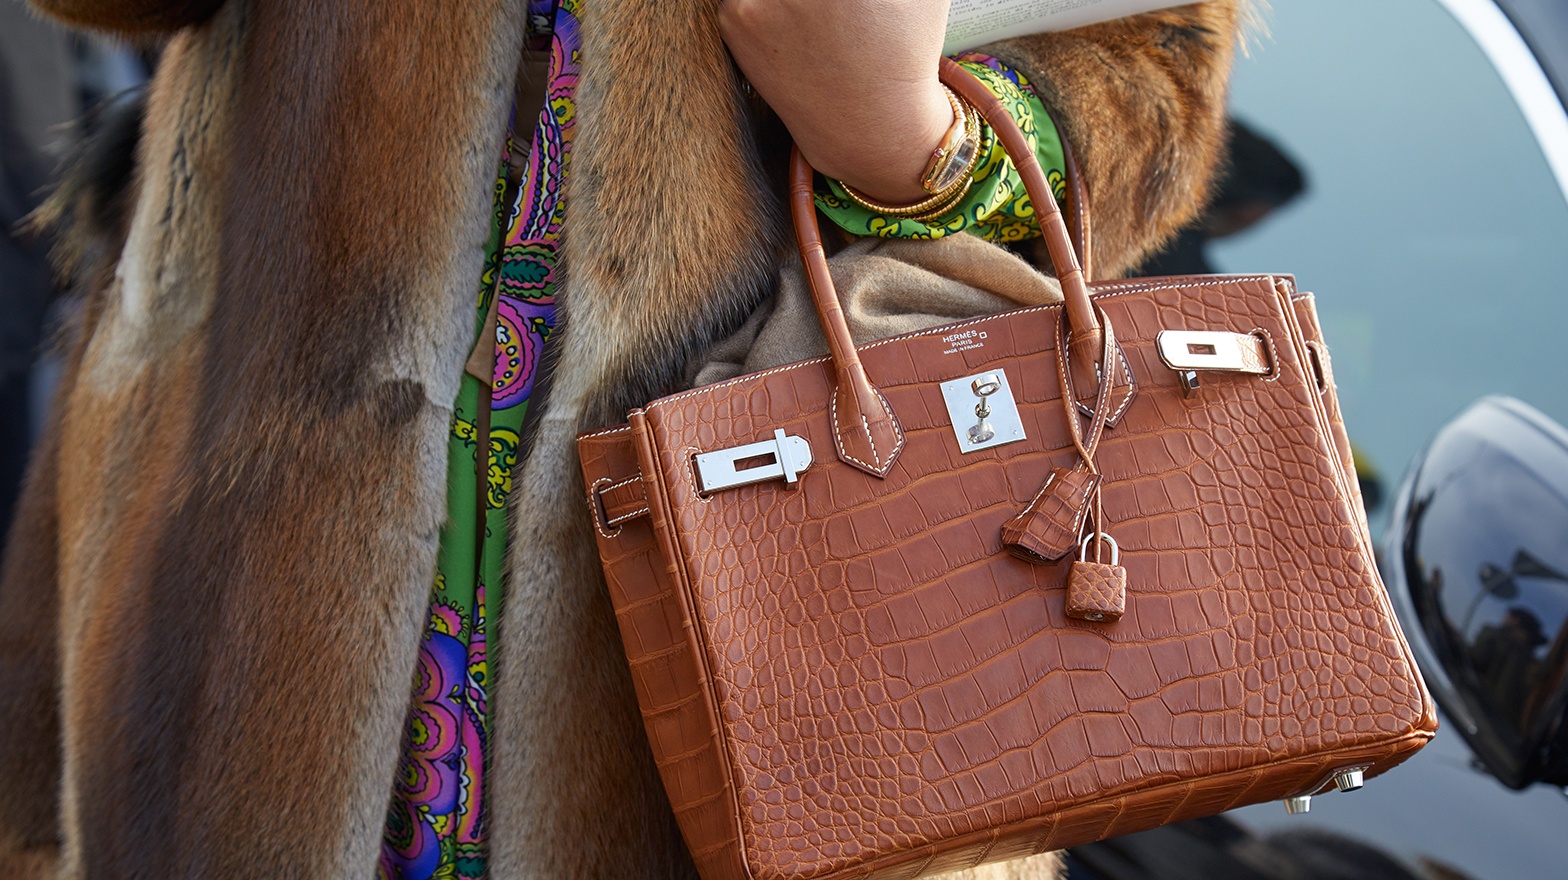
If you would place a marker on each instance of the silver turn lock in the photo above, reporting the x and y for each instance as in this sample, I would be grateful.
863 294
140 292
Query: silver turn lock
983 387
992 421
1299 804
1350 780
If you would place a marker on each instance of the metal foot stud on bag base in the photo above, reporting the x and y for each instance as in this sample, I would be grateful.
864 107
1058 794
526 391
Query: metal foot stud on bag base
1349 779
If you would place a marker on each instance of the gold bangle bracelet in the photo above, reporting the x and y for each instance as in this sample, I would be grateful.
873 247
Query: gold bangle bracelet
927 209
940 202
939 210
920 207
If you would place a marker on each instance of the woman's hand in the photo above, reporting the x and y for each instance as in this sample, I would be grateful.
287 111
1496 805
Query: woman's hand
855 81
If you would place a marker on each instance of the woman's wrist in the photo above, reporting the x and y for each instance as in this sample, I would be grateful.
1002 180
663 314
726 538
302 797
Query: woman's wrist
993 204
854 81
882 146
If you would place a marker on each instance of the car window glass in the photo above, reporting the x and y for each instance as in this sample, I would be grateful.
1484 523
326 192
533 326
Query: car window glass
1436 241
1431 228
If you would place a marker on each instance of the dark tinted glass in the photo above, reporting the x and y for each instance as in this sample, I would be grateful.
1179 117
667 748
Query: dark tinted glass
1479 538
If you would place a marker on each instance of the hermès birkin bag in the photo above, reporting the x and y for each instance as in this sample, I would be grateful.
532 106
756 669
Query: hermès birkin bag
1004 586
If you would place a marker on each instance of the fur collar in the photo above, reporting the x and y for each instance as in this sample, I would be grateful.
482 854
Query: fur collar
234 522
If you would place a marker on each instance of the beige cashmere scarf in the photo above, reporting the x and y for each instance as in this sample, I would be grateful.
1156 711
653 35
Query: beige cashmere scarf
887 287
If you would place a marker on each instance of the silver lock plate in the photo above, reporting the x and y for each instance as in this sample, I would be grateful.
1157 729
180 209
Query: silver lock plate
782 458
982 421
1190 350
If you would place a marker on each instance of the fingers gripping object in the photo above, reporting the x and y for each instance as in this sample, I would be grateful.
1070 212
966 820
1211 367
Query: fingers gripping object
879 580
867 433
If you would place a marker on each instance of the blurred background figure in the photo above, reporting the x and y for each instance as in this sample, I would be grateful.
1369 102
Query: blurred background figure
1476 562
1257 179
48 77
38 98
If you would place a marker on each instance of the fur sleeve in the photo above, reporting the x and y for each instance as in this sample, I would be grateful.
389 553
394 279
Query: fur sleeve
130 16
29 666
1142 102
86 213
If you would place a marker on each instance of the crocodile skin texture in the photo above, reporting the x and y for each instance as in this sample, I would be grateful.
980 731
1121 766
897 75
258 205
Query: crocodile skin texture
1050 526
1096 591
851 677
1322 373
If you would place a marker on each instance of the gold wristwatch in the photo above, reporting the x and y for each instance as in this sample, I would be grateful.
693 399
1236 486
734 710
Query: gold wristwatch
956 155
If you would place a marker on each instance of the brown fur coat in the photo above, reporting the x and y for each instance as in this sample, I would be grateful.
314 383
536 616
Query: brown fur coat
213 596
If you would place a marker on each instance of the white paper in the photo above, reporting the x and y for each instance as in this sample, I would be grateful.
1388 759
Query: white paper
972 23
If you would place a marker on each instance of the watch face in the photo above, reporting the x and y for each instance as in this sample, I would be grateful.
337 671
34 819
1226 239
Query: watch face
955 158
953 168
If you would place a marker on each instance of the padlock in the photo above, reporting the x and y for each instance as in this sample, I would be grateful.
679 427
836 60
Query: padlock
1097 591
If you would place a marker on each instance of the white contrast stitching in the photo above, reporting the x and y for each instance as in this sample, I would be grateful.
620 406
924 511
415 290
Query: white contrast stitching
689 453
627 516
1115 288
1132 384
1132 388
898 429
1276 369
866 426
838 441
615 430
594 509
1083 510
626 482
1102 292
1041 494
1319 354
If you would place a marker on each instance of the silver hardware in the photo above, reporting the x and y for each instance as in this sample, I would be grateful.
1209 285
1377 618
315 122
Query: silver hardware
983 387
986 385
1189 382
1208 350
993 421
1116 552
1299 804
791 455
983 430
1351 779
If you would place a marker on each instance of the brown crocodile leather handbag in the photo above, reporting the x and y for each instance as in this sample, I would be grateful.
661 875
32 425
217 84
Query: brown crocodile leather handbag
1004 586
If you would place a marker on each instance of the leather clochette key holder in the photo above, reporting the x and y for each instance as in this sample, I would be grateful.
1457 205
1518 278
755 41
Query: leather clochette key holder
873 610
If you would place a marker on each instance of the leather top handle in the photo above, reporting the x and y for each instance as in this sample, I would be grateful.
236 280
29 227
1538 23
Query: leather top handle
1075 289
866 432
1077 211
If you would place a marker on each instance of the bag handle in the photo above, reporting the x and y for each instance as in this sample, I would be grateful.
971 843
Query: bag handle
1077 211
866 432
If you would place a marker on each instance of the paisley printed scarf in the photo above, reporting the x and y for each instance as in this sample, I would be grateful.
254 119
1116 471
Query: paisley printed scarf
436 824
